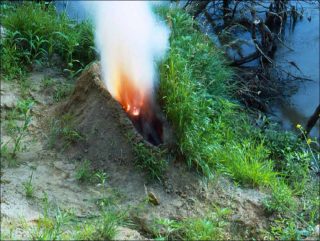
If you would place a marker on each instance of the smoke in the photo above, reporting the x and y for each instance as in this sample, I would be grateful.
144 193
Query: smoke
130 41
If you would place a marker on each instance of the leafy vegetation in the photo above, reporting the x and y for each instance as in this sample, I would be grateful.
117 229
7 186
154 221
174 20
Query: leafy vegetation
57 224
213 132
64 128
28 187
150 160
84 172
34 32
208 227
17 130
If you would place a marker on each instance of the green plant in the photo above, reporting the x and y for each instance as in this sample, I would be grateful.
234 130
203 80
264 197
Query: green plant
50 228
169 228
151 160
35 31
4 151
195 93
62 90
84 172
63 128
28 187
101 177
287 229
281 199
210 227
103 228
315 160
16 130
24 107
47 82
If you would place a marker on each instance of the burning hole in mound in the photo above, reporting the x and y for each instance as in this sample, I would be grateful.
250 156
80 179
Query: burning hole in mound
149 125
141 110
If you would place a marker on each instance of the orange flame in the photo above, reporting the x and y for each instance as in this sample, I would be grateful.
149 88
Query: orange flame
131 97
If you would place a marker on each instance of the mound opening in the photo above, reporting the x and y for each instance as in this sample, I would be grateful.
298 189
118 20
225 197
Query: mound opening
149 125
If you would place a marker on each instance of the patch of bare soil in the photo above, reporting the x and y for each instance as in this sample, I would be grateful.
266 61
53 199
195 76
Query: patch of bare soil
104 129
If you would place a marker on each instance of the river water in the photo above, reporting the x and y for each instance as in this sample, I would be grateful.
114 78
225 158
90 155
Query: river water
304 40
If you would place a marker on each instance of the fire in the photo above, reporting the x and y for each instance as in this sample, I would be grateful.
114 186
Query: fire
131 40
132 98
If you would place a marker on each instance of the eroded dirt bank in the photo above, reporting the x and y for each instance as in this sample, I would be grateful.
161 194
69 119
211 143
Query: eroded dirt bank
103 135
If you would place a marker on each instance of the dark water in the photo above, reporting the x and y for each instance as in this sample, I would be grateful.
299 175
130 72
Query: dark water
75 9
304 41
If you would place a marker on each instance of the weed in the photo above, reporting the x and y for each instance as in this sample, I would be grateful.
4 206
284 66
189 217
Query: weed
24 107
103 228
211 131
17 130
47 82
287 229
101 177
84 172
64 128
169 228
50 228
315 160
86 231
281 199
151 160
208 227
62 90
28 187
4 151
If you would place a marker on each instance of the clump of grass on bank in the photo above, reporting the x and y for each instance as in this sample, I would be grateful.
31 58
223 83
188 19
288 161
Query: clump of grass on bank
211 130
58 224
34 32
207 227
214 133
16 130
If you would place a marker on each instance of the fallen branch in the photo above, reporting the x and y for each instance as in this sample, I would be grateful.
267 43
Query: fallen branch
313 120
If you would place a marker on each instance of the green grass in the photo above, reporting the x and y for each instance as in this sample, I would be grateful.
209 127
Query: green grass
206 227
33 34
28 187
215 134
84 171
61 91
63 128
58 224
151 160
16 126
212 132
102 228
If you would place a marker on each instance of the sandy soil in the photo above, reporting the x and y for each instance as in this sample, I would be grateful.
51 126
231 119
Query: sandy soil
104 126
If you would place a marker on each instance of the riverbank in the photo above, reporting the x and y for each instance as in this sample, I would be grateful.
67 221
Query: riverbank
226 167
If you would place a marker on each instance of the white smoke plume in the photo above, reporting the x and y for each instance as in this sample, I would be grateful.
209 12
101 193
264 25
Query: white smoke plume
129 39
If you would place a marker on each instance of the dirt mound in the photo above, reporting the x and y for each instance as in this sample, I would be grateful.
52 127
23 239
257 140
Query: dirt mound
101 120
108 141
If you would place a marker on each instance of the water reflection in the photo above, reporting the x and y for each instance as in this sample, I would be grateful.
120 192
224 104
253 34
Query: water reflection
304 40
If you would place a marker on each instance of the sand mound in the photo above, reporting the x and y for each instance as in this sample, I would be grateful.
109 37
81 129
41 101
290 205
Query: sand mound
108 134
